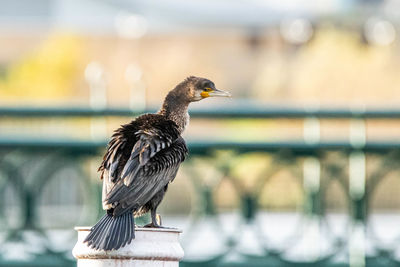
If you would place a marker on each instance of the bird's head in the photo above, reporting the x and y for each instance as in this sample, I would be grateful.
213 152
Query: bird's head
196 89
190 90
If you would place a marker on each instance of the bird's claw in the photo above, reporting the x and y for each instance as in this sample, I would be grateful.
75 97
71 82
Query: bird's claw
152 225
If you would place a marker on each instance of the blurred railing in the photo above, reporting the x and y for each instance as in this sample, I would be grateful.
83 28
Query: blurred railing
252 234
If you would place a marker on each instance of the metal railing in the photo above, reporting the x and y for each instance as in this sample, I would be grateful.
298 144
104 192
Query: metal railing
239 236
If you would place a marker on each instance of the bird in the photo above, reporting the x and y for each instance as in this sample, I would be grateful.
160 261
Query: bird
142 159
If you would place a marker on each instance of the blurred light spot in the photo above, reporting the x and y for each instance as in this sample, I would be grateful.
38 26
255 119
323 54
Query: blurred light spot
94 75
93 72
379 32
130 26
297 31
133 73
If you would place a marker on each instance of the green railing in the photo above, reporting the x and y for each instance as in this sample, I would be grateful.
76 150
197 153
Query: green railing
49 185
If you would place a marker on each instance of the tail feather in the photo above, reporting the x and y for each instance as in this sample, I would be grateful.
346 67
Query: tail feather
112 232
96 235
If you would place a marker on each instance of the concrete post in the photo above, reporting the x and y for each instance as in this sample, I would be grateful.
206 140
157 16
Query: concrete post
150 248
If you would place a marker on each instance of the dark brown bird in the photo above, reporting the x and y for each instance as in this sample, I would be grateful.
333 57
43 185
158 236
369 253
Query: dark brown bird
142 158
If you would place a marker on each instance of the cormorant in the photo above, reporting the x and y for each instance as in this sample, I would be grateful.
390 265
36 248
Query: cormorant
142 158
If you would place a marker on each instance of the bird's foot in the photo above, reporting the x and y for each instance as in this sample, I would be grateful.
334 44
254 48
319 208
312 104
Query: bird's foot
156 225
156 222
152 225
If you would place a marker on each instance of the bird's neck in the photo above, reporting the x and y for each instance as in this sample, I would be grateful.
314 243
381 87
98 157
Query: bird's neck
176 109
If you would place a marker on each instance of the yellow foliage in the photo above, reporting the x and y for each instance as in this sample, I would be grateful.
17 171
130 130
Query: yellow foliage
47 73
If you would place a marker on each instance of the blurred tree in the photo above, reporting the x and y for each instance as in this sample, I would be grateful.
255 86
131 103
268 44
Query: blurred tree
48 73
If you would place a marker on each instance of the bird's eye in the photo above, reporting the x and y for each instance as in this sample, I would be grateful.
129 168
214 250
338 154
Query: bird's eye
208 89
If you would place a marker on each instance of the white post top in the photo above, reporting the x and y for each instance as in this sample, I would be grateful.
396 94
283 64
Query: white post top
151 247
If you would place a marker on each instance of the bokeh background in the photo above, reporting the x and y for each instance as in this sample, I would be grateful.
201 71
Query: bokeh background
299 168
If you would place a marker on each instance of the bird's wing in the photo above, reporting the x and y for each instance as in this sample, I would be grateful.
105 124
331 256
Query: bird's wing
131 147
112 158
112 162
149 142
146 173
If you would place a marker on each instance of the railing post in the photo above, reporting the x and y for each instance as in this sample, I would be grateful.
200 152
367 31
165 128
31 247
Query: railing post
312 190
357 191
151 247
